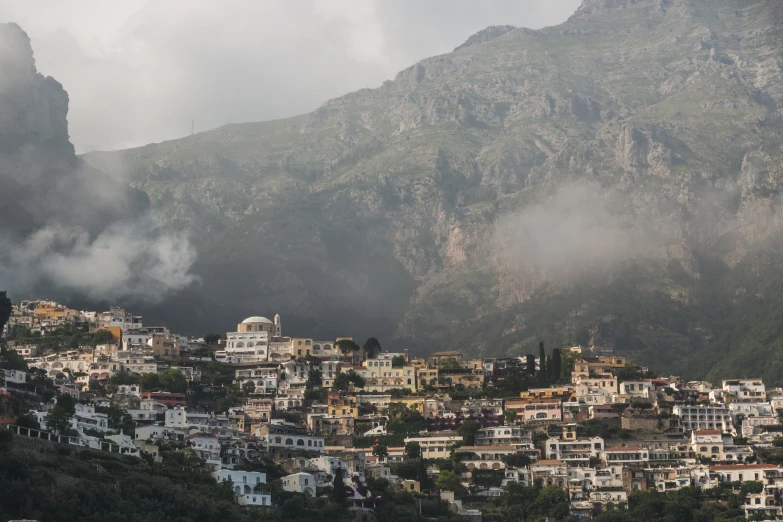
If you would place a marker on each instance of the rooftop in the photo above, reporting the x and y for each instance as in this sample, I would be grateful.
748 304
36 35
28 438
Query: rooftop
257 319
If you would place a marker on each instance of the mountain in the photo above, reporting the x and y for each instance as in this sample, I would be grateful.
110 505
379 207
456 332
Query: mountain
613 180
68 230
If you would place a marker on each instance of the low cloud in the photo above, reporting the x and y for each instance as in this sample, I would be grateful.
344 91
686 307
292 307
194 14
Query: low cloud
572 233
126 260
65 227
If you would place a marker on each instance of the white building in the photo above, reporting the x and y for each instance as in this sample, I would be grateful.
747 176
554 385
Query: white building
750 390
712 417
744 410
249 486
300 483
503 436
434 447
636 389
251 341
15 376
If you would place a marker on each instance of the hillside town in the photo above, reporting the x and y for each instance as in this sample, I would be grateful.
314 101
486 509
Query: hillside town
275 415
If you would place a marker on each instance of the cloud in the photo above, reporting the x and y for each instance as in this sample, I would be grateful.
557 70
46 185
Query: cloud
140 71
66 227
571 234
126 260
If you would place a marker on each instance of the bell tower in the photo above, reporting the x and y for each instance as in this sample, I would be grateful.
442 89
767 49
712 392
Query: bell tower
278 326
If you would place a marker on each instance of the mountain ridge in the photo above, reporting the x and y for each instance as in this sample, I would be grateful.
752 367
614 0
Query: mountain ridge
413 211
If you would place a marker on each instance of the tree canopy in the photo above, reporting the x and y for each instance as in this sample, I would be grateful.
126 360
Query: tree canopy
372 347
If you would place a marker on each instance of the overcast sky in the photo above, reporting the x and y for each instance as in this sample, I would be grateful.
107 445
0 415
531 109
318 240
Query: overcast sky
139 71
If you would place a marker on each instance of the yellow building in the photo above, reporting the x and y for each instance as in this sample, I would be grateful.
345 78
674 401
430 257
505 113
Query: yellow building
461 377
427 377
559 393
344 409
413 403
54 313
380 375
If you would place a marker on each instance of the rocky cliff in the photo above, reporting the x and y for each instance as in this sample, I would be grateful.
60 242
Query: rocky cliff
68 230
613 180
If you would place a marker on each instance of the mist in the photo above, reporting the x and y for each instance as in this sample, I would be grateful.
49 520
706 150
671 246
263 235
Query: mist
65 227
572 233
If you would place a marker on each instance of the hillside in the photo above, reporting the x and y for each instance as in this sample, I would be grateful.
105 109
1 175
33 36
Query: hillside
612 180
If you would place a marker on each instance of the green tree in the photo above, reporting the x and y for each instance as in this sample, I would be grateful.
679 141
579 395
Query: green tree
449 363
5 309
173 381
345 379
58 419
421 474
371 348
103 337
557 365
510 416
398 361
468 431
150 382
67 403
249 387
530 363
516 460
413 450
448 481
314 378
542 372
347 346
380 451
10 360
338 491
212 338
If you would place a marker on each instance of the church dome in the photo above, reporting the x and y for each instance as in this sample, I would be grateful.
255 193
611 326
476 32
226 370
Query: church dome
257 319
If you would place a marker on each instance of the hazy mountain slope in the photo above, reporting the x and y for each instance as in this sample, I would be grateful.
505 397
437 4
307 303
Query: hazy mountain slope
606 179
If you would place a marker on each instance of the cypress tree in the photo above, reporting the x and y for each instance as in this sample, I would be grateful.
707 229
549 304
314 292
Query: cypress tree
338 492
531 364
557 365
542 372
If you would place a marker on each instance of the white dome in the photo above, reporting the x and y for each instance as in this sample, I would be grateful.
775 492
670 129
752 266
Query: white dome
257 319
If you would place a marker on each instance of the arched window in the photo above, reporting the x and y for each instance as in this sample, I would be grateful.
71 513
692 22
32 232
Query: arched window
327 347
307 343
300 442
409 381
240 345
715 449
703 449
309 443
250 344
289 442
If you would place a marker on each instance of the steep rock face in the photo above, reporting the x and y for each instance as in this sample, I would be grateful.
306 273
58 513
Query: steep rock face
424 209
47 195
